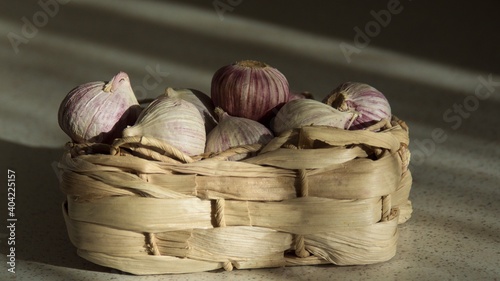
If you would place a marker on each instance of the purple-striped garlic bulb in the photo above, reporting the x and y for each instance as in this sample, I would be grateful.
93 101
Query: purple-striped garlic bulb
249 89
235 131
174 121
99 111
307 112
367 103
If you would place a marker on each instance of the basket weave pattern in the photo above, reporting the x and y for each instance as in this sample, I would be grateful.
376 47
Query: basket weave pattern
315 195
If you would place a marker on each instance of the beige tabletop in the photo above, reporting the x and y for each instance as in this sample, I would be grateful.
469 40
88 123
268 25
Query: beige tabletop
437 64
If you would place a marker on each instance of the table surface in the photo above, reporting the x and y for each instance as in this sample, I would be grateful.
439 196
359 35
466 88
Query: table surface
441 77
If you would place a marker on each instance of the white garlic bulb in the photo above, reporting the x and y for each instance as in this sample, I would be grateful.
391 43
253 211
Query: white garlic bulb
173 120
235 131
306 112
199 99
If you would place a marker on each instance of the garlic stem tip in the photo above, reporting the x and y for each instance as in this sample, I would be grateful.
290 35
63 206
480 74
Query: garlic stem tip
252 64
170 92
219 112
108 86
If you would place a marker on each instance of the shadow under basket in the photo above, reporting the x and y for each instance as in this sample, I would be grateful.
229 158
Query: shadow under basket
315 195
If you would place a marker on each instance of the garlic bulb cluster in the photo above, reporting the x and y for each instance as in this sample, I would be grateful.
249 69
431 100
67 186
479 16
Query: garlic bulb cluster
249 89
235 131
367 103
306 112
250 103
173 120
99 111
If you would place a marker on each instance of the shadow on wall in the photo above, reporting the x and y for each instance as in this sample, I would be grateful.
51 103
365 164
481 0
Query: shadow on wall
199 50
460 35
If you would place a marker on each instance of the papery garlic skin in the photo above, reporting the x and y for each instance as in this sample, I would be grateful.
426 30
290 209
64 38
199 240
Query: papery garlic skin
199 99
236 131
302 95
249 89
368 103
99 111
306 112
174 121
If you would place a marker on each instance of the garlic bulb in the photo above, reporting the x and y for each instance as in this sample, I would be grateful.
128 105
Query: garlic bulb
235 131
368 104
249 89
305 112
202 102
99 111
173 120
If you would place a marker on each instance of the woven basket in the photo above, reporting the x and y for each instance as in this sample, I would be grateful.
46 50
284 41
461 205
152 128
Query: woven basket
315 195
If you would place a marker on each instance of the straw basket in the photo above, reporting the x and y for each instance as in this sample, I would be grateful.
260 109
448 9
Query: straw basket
315 195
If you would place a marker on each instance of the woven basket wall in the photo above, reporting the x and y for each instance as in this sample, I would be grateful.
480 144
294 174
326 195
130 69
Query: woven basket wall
315 195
